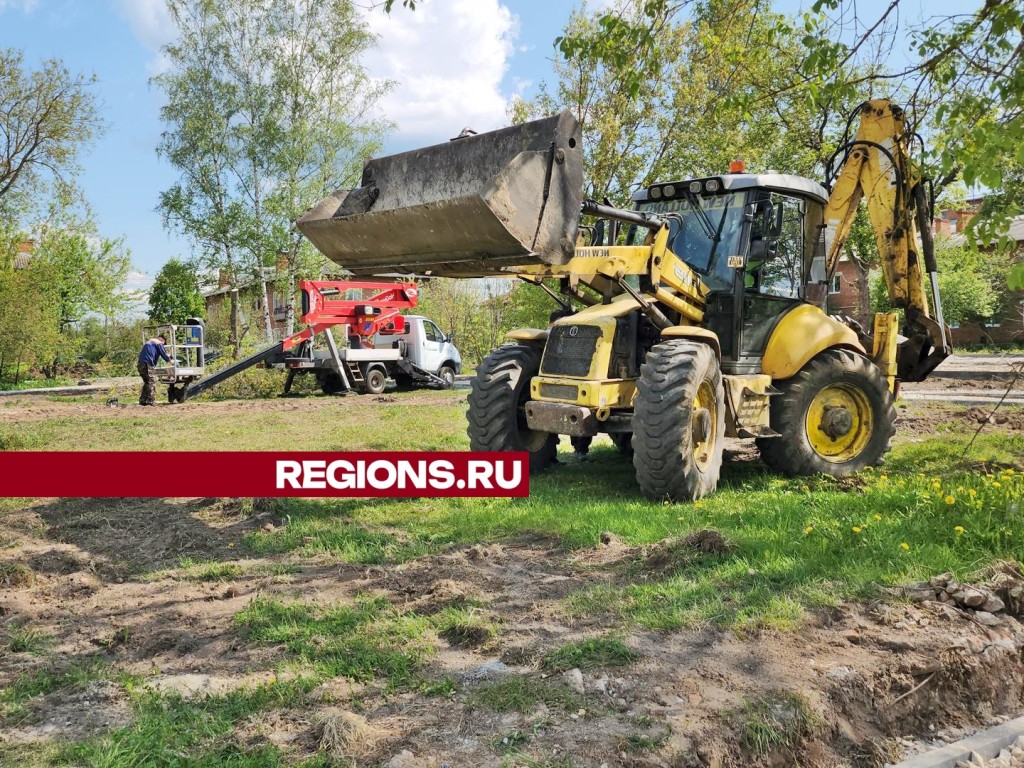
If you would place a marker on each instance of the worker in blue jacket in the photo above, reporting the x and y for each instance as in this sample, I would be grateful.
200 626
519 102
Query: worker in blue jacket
151 350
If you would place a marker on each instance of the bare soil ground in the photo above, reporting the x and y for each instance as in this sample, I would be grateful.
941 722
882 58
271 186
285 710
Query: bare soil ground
103 579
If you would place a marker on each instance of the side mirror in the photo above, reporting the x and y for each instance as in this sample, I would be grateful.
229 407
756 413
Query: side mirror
761 251
448 338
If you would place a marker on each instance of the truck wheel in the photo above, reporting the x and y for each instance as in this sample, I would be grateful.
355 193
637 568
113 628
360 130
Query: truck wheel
376 381
447 374
835 416
498 393
331 384
679 422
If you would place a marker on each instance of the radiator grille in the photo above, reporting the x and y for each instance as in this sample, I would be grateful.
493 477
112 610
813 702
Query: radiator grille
570 350
559 391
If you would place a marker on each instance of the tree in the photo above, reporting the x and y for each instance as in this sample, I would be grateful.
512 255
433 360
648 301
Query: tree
175 295
47 117
268 110
679 104
28 321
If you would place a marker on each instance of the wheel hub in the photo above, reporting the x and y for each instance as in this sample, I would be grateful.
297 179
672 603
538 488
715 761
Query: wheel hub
701 425
836 421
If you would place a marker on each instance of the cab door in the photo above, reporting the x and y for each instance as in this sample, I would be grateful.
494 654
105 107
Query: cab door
781 247
432 347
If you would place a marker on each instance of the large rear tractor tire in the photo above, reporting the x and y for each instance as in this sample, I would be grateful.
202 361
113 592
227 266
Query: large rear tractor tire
498 393
679 422
835 417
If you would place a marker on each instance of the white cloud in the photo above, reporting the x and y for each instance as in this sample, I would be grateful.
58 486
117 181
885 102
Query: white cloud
152 25
449 58
25 6
138 281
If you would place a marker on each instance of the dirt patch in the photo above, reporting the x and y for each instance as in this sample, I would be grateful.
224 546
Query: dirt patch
670 555
105 584
73 715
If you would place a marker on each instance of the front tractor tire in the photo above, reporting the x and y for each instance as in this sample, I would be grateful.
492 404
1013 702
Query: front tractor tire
835 417
679 422
497 416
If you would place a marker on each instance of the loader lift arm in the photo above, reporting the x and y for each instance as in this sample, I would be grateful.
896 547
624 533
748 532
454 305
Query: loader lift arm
876 166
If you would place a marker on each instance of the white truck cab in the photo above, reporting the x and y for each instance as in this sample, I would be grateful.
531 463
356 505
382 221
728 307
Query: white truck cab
425 346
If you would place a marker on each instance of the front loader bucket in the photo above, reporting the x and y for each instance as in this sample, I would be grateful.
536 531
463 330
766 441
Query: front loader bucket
470 207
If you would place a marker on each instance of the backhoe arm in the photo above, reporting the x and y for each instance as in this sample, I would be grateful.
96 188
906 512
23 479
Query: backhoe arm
877 166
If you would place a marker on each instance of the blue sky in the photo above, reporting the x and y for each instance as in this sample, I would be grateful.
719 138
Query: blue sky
458 63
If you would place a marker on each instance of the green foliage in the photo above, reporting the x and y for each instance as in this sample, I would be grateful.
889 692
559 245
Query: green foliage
268 108
590 654
175 295
662 96
478 313
1015 277
49 116
29 325
969 283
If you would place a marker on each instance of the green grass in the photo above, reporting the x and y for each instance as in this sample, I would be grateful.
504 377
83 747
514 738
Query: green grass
521 693
171 731
60 381
48 679
316 423
776 722
26 640
362 642
465 626
593 653
778 568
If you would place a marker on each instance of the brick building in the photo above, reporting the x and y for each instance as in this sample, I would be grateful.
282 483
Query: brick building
849 292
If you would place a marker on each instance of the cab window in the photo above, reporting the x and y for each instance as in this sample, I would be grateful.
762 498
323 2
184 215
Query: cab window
432 332
776 263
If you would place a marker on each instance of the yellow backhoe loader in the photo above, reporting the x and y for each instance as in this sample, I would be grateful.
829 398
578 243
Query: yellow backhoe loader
696 315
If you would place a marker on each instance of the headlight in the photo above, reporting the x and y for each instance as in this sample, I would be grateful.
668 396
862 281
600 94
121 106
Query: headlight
695 187
655 193
712 185
670 190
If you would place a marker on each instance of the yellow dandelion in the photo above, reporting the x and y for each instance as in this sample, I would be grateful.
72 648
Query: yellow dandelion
231 544
698 503
996 484
950 499
926 495
856 529
808 529
958 528
1009 533
904 546
971 492
1010 471
878 517
902 482
936 485
959 489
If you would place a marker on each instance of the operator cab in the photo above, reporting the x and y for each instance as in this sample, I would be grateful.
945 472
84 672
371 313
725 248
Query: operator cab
757 241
